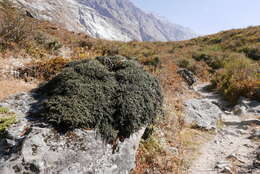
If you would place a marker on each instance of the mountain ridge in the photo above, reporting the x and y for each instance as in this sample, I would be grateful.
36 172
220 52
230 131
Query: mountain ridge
106 19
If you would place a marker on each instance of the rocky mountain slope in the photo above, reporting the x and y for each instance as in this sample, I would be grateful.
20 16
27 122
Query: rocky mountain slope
107 19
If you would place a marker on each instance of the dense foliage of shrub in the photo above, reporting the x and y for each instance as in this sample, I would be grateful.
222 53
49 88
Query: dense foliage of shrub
189 64
54 45
87 44
113 94
252 52
238 78
3 46
156 62
48 41
214 61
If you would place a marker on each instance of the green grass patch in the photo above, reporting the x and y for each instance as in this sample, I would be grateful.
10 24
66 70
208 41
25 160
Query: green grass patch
7 118
4 110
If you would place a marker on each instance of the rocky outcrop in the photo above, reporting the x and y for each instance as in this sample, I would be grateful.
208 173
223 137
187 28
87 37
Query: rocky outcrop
188 76
234 146
210 107
202 113
246 106
108 19
32 146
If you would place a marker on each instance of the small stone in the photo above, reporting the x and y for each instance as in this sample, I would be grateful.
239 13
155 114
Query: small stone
11 143
222 164
258 155
227 170
256 164
227 112
239 110
216 142
243 127
248 146
234 157
255 134
224 167
173 150
242 132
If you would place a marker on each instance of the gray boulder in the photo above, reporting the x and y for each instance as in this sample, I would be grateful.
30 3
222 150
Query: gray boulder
245 106
202 113
255 134
188 76
31 146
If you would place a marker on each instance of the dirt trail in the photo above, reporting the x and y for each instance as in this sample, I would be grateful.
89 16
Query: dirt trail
231 150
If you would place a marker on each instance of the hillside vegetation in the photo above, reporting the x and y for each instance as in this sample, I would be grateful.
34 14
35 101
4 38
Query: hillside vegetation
230 58
112 94
35 51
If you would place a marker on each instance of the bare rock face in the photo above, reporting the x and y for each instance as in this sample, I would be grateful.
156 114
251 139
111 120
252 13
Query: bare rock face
202 113
31 146
108 19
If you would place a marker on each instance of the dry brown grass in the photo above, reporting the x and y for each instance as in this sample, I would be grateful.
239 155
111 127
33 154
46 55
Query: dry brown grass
155 154
13 86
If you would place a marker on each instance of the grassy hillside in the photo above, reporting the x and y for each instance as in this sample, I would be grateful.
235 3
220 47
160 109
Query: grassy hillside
230 59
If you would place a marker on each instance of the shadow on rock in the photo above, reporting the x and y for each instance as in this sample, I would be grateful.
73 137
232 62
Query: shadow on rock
33 146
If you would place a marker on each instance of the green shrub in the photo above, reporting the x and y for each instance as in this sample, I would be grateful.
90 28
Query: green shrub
189 64
113 94
238 78
183 63
41 38
44 38
3 46
54 45
252 52
106 48
156 62
48 41
215 47
6 119
212 60
4 110
215 40
6 122
84 43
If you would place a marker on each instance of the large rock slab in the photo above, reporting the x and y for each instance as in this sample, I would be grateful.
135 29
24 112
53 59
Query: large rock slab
31 146
202 113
